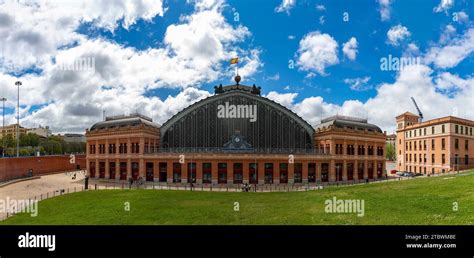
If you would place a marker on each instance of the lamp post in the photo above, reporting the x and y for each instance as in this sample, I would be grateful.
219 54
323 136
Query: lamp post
18 84
3 127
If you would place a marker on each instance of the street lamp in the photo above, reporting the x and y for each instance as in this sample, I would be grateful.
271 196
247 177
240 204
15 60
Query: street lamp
18 83
3 127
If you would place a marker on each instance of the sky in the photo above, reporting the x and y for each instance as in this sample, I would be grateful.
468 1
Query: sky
77 59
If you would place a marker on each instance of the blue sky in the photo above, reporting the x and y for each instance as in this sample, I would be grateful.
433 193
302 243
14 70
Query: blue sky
150 58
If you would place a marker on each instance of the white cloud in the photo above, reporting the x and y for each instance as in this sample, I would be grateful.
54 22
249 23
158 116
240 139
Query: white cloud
37 29
358 84
320 7
252 64
285 99
462 17
350 48
275 77
316 52
393 99
384 8
397 34
453 52
291 37
443 6
191 54
285 6
413 48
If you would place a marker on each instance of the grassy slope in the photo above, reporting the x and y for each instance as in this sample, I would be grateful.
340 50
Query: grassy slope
421 201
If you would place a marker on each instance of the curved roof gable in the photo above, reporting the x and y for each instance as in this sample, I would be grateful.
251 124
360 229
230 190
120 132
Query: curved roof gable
237 91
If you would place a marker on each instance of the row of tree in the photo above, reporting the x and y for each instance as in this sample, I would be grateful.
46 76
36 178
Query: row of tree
391 153
31 143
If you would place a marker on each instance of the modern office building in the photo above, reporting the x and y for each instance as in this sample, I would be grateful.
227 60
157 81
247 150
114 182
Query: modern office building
232 137
434 146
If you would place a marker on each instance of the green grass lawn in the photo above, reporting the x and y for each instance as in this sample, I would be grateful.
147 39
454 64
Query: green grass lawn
423 201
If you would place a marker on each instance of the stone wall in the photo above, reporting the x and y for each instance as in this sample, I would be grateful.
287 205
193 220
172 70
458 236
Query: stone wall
11 168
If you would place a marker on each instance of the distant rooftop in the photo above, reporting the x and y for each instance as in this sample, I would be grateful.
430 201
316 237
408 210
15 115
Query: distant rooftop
346 118
355 123
125 120
110 118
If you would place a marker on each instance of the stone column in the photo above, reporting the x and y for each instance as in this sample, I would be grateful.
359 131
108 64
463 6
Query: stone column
245 171
366 169
261 172
141 148
117 169
318 172
332 170
356 170
184 171
141 168
169 171
156 171
230 173
107 168
276 172
214 171
305 172
375 169
291 173
344 170
97 170
384 168
88 166
129 168
117 145
129 147
366 150
199 172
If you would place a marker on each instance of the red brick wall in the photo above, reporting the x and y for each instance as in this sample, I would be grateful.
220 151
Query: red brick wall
18 167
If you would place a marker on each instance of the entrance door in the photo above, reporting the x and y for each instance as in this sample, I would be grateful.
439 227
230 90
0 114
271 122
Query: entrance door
206 173
135 170
253 177
149 171
311 172
163 171
350 171
360 171
268 173
192 172
238 173
112 170
222 173
338 171
101 169
283 173
123 170
176 172
379 170
324 172
92 169
370 168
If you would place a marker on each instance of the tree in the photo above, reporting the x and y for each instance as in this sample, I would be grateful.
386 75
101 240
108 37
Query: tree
391 153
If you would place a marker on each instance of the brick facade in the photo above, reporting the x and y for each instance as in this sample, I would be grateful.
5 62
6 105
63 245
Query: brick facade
18 167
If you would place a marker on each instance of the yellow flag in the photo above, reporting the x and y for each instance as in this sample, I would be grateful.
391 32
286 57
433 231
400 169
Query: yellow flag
234 60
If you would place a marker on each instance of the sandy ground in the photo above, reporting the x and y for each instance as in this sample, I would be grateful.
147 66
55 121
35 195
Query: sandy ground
31 188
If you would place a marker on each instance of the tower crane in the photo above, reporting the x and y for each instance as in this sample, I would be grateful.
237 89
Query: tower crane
418 109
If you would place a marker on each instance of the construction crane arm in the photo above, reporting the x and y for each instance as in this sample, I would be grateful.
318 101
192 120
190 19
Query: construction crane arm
417 108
